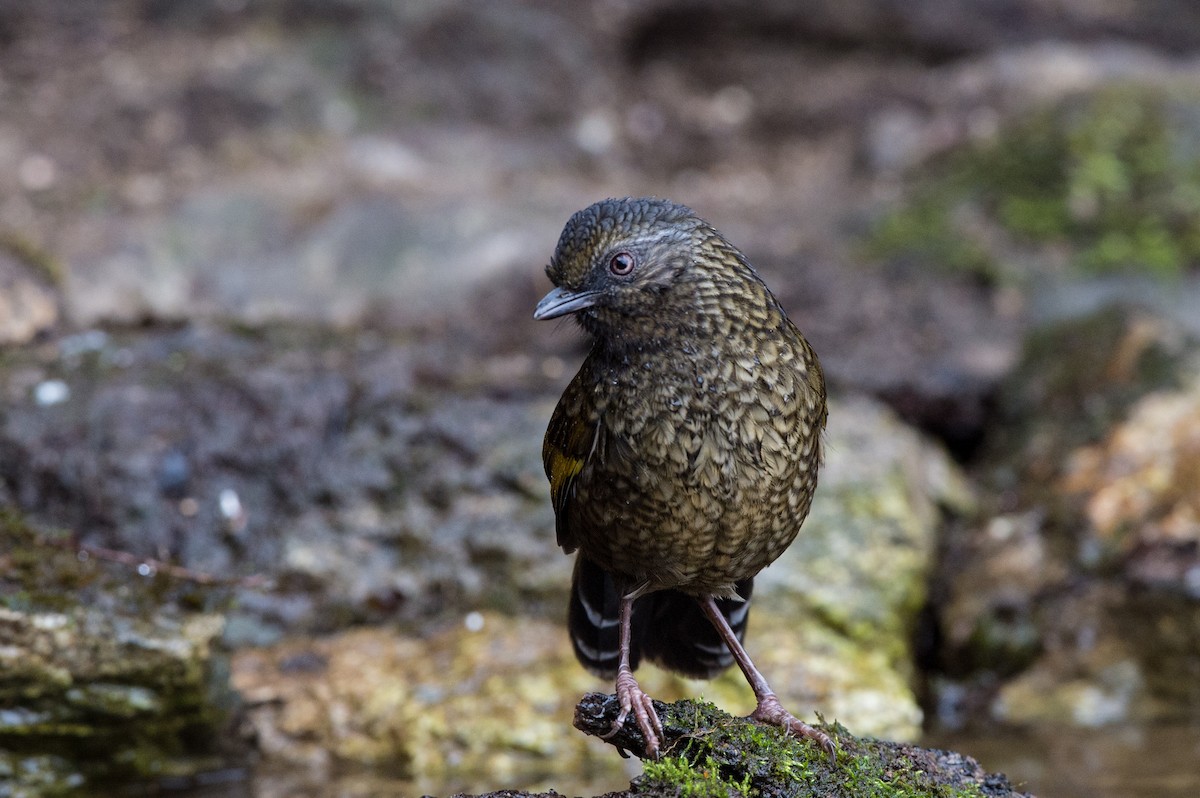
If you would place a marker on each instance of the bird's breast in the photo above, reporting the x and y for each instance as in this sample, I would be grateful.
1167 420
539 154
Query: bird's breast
706 467
695 409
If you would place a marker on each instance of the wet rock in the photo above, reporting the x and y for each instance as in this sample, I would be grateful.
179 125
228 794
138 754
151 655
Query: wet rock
112 671
1088 673
1082 591
312 459
1077 378
1134 649
989 621
1140 486
482 702
99 684
705 751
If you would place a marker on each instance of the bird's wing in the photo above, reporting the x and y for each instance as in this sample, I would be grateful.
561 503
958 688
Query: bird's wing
570 440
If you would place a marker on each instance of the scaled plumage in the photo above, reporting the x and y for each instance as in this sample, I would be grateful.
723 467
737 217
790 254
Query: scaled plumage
683 456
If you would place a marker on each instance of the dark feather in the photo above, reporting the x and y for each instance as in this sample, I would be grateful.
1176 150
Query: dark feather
592 620
680 638
668 627
565 449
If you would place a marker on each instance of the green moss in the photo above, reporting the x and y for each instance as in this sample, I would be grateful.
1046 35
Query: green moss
37 573
718 755
1113 175
925 231
45 570
693 780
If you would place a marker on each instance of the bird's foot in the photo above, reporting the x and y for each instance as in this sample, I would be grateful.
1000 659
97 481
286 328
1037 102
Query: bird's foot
769 710
632 699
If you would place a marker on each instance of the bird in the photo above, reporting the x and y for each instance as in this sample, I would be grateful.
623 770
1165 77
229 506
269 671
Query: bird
683 456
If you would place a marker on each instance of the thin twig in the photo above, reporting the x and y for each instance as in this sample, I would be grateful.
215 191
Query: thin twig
155 566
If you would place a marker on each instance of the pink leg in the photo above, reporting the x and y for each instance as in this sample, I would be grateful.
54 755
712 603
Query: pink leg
630 694
769 710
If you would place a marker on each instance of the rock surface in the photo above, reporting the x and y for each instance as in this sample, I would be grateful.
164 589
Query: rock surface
707 752
98 683
1084 585
28 301
832 627
317 460
373 493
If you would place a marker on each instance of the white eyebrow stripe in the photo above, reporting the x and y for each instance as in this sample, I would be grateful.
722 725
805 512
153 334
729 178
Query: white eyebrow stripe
652 238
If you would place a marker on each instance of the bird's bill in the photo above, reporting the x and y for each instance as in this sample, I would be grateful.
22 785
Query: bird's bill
560 302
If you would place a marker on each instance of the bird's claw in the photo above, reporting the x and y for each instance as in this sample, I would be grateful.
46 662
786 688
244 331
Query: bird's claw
634 700
769 710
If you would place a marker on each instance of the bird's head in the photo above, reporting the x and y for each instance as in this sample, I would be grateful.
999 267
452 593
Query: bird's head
623 263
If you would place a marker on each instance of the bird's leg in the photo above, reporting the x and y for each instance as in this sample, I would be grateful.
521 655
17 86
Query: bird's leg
629 693
769 710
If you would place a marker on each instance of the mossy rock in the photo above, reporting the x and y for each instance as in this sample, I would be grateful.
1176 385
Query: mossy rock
100 683
1111 177
1076 381
710 754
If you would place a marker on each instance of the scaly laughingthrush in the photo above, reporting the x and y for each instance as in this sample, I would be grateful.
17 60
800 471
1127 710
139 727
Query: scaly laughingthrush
683 456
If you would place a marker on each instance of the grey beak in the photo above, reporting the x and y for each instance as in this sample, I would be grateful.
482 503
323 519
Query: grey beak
560 302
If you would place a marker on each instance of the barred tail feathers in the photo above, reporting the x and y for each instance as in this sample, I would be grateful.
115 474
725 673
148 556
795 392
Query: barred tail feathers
668 628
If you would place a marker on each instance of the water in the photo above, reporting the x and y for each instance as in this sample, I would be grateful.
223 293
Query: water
1120 762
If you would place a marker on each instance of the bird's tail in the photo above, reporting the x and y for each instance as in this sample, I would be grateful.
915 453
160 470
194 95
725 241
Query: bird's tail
669 628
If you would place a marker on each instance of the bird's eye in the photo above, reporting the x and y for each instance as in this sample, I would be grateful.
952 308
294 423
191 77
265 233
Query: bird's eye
621 264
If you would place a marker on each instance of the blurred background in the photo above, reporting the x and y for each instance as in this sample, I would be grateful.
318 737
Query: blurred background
272 513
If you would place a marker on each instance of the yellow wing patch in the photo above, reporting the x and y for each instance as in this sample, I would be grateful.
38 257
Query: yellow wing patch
568 445
561 468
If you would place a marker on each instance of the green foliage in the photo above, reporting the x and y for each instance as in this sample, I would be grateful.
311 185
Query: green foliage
1114 176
